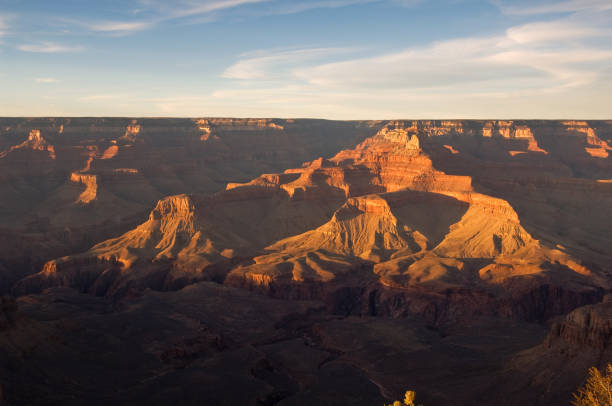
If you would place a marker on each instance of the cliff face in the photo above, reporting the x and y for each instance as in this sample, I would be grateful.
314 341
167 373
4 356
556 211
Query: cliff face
420 250
588 326
554 368
381 216
68 183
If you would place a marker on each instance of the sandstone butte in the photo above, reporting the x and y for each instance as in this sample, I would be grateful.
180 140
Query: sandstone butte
382 216
68 183
446 221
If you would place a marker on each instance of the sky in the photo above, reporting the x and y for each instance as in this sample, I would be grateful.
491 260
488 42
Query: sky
336 59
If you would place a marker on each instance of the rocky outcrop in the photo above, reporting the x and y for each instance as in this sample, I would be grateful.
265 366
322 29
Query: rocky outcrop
587 326
35 142
557 366
77 176
91 186
379 221
439 245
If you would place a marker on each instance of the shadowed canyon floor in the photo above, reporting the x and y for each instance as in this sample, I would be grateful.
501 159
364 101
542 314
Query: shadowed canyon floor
68 183
469 260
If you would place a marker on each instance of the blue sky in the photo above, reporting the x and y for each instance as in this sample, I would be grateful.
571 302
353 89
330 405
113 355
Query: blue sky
341 59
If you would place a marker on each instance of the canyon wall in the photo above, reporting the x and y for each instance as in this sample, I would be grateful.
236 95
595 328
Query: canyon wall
421 213
68 183
303 261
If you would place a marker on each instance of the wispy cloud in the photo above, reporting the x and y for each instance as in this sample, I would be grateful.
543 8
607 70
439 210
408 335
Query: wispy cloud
520 59
49 48
407 3
102 97
533 61
187 8
199 11
274 64
46 80
294 7
550 7
556 31
542 55
160 11
4 25
122 27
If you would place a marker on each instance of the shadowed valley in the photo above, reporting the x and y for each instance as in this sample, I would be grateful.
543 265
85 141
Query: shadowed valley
303 261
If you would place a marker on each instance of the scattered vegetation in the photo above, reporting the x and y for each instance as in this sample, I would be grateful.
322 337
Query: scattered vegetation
409 397
597 391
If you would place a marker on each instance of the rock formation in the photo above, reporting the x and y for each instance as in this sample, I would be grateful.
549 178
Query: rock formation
74 182
380 216
422 251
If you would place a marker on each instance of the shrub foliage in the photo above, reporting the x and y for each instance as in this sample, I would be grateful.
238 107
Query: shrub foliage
597 391
409 397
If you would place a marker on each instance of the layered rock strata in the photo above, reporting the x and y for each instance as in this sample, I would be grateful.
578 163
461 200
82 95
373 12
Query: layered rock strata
380 220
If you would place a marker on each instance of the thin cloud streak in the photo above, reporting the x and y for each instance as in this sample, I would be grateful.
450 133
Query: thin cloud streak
534 61
554 7
47 80
295 8
258 65
4 26
121 26
556 31
189 9
49 48
540 55
164 12
194 8
102 97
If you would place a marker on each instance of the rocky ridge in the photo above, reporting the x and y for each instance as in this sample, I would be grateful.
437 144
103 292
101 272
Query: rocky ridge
74 182
380 218
433 251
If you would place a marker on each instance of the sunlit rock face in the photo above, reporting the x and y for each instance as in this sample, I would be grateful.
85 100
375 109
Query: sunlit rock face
68 183
304 261
401 216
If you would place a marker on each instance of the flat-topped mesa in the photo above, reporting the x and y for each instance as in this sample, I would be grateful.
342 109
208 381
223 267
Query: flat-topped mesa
364 227
382 204
205 129
405 137
436 128
172 207
441 128
34 142
595 146
369 204
318 179
209 127
74 271
169 235
170 227
266 180
511 130
580 127
91 186
238 124
396 137
389 161
131 131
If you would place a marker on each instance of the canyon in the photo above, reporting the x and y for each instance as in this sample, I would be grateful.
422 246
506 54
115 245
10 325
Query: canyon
294 262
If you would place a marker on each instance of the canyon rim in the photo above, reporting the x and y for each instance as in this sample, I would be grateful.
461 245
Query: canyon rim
306 203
